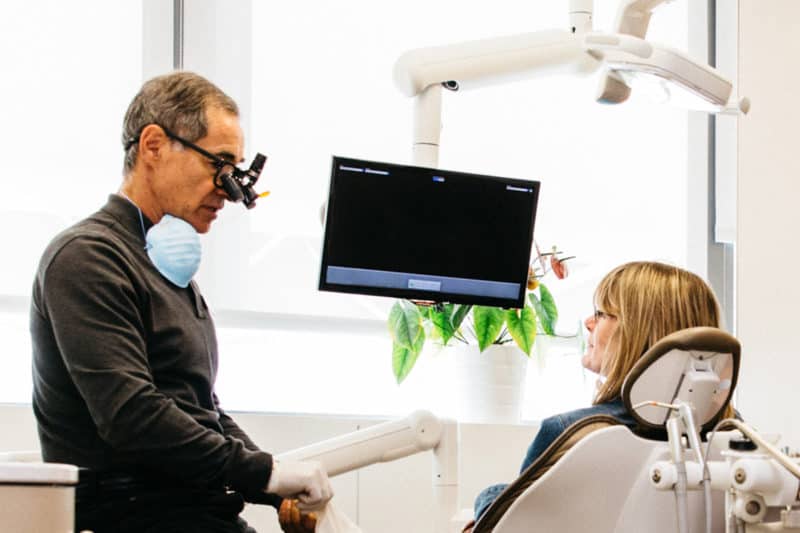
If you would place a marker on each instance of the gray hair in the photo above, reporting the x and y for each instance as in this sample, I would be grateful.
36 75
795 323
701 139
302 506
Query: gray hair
176 101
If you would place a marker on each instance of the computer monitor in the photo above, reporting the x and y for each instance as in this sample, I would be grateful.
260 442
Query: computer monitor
427 234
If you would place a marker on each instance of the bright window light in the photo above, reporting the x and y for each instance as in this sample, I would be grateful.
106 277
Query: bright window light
614 183
614 178
67 80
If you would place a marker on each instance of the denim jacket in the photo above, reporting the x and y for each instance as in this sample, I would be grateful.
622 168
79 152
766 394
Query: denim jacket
549 431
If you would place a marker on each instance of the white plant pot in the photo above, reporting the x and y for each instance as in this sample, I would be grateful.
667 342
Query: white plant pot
481 387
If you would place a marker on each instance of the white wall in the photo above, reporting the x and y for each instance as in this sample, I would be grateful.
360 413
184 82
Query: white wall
387 498
768 191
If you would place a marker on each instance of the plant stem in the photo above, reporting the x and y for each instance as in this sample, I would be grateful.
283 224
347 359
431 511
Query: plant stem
503 337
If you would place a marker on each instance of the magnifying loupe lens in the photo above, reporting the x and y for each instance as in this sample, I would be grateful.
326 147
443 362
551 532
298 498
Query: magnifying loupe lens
231 187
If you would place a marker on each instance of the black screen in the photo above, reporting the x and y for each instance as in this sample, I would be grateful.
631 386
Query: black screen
427 234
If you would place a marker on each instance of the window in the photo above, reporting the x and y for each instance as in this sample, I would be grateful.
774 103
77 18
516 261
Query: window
66 87
614 179
614 182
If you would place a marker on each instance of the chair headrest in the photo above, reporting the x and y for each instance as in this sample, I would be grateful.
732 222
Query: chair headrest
697 365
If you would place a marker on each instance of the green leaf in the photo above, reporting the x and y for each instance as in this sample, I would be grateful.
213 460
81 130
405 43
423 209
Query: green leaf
461 313
546 310
540 312
521 325
549 305
448 321
405 324
424 311
443 322
403 358
488 324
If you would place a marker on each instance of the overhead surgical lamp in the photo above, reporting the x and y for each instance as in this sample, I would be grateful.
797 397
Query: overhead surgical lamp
629 60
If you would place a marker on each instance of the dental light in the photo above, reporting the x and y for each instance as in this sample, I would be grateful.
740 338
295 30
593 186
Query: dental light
630 63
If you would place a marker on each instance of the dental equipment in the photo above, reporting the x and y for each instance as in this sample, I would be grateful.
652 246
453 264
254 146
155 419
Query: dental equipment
756 477
708 369
682 422
418 432
626 56
600 460
758 480
625 503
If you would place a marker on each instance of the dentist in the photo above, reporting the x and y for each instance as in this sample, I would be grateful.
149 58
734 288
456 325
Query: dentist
124 348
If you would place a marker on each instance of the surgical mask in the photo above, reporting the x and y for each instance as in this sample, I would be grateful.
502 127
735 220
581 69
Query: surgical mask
173 246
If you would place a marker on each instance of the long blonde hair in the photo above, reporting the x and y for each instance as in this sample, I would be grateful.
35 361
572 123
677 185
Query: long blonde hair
649 300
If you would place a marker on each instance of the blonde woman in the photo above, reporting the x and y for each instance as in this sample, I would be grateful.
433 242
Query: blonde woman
636 304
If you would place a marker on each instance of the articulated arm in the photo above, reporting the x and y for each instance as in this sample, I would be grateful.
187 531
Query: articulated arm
627 57
418 432
423 72
633 16
492 61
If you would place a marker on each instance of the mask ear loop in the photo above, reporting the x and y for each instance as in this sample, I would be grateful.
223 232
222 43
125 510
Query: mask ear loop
144 233
141 219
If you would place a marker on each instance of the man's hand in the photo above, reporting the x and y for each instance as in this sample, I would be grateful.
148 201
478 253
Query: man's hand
292 520
304 480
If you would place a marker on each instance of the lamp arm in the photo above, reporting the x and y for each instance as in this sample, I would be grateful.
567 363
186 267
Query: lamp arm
633 16
418 432
492 61
423 72
502 59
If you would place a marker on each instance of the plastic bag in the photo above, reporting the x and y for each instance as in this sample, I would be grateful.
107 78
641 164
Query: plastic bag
332 520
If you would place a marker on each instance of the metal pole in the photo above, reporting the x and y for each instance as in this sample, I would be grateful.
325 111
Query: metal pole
177 34
427 126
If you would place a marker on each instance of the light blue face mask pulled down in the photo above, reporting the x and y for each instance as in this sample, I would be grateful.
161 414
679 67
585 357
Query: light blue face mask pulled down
173 246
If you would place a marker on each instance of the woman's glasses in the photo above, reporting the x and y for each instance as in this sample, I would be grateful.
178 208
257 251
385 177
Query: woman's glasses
598 314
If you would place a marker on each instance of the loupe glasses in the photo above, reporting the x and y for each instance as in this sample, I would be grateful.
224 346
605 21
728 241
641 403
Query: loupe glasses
236 182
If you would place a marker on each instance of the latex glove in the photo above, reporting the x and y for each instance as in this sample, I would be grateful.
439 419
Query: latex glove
304 480
292 520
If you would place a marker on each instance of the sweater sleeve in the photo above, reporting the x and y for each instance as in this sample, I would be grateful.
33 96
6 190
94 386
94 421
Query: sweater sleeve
89 297
230 427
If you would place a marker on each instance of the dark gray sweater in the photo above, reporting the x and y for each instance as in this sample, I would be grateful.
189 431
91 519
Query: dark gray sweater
124 363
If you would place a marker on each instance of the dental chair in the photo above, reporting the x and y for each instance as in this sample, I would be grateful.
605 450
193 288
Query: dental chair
597 475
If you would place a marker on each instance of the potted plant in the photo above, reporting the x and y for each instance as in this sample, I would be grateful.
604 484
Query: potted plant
412 324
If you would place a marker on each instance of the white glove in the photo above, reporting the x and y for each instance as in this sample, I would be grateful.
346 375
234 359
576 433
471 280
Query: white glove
304 480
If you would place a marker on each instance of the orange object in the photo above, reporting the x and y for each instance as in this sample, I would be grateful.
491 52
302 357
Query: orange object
293 520
559 267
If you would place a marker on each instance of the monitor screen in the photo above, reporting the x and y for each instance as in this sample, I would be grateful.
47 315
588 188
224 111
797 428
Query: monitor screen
427 234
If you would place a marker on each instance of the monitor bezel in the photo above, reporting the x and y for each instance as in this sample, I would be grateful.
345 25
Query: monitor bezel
417 294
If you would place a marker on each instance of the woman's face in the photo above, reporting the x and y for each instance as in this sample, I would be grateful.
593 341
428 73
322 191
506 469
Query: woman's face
601 326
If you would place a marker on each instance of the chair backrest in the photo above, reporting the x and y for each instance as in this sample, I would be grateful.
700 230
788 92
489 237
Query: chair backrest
595 476
601 485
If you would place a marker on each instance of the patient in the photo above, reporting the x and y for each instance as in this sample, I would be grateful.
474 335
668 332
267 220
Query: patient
636 304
